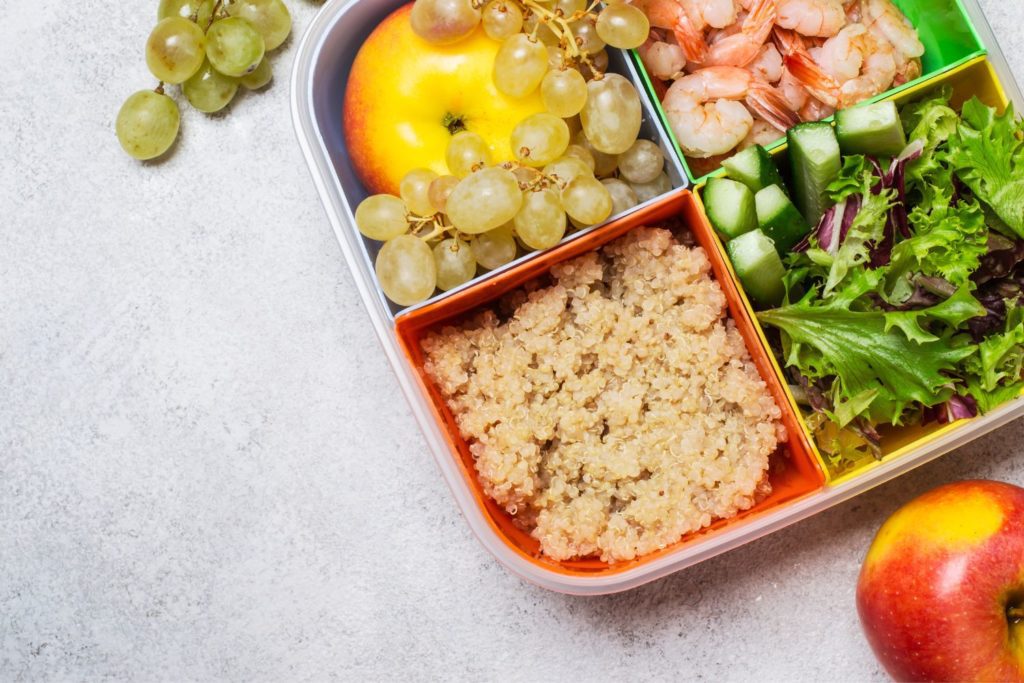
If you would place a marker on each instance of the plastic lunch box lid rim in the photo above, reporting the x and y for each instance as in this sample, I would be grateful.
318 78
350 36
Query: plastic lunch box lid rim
309 137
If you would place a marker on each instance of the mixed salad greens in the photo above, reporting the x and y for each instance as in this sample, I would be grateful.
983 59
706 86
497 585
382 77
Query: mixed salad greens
905 304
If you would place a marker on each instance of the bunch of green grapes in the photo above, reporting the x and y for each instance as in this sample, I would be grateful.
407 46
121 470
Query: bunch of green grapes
444 229
209 48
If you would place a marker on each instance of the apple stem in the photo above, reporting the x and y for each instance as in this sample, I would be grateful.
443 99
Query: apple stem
1015 613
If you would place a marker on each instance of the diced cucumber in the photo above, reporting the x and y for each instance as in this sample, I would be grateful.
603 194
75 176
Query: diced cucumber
759 267
754 168
814 157
873 129
730 207
779 219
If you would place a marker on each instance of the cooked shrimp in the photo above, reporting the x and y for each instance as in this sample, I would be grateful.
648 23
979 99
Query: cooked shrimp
768 64
907 72
663 60
740 49
821 18
793 92
849 68
888 23
761 133
713 13
706 116
670 14
815 110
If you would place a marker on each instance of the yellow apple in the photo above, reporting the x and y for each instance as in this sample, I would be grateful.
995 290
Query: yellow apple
406 97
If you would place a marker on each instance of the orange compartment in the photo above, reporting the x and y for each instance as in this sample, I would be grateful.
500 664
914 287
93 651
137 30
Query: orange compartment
794 470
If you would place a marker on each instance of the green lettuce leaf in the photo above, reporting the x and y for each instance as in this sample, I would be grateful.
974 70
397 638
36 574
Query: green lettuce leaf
931 120
879 364
987 154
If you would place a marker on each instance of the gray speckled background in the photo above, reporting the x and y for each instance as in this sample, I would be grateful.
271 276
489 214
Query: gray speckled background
206 467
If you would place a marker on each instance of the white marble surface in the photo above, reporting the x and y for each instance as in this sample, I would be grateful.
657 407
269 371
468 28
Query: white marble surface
207 470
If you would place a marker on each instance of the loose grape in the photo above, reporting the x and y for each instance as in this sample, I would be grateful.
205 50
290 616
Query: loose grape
583 154
587 39
382 217
175 50
655 188
623 26
234 47
439 191
612 115
539 139
147 124
623 197
454 262
495 248
540 223
209 90
642 162
444 21
484 200
501 19
586 200
564 92
466 152
520 65
258 78
406 271
415 191
269 17
202 10
604 164
566 169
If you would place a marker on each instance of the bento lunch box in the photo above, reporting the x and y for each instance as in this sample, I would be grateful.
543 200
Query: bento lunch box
961 52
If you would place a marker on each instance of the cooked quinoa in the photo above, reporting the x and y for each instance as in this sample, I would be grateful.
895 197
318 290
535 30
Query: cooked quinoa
616 409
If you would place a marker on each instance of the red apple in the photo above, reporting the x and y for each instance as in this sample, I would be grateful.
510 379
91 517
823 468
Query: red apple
941 592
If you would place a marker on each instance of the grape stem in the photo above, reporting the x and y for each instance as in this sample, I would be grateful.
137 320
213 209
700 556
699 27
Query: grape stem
558 24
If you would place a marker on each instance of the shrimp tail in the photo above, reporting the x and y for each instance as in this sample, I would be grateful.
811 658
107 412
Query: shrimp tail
787 41
818 83
758 24
770 105
690 39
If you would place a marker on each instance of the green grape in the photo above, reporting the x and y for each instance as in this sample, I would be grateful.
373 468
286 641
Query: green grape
520 65
539 139
642 162
209 90
655 188
202 10
258 78
533 25
495 248
583 154
540 223
147 124
623 26
526 175
566 169
564 92
557 58
415 191
234 47
604 164
406 271
612 115
455 263
439 190
570 7
573 122
587 39
444 21
466 151
382 217
586 200
484 201
623 197
269 17
501 19
175 50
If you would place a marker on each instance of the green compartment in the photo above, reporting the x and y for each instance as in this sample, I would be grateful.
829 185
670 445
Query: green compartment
944 27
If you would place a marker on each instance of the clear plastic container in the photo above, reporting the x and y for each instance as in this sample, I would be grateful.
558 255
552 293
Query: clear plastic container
804 488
